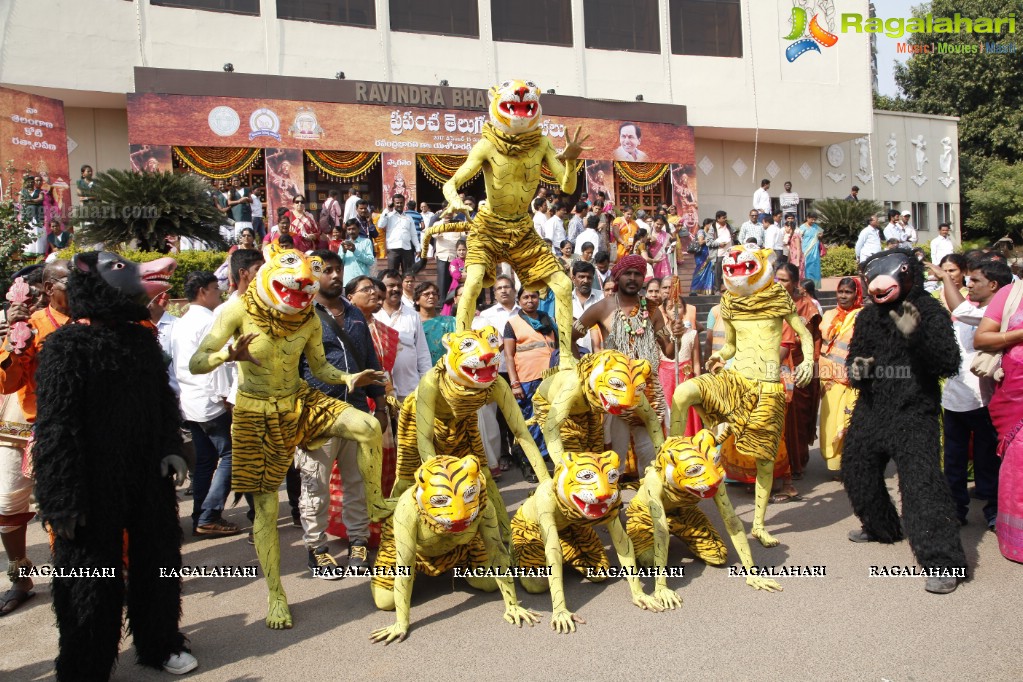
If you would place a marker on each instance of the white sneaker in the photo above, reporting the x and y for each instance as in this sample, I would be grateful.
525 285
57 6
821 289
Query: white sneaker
180 663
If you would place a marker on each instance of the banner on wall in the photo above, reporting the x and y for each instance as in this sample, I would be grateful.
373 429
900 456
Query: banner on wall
285 180
399 177
683 195
157 119
33 139
600 178
150 158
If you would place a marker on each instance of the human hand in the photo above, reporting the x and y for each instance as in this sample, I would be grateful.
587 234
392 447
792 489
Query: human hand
804 372
678 327
574 146
18 312
766 584
517 391
714 363
173 464
454 208
647 602
667 598
393 633
239 352
366 377
563 621
516 614
859 369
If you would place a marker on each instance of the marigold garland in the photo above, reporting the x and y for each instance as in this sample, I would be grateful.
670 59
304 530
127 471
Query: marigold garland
640 175
219 163
439 168
343 165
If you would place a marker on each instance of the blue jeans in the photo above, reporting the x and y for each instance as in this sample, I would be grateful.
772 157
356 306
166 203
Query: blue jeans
211 481
526 405
958 428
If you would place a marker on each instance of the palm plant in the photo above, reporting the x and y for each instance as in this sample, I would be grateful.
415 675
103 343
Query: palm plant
143 209
843 220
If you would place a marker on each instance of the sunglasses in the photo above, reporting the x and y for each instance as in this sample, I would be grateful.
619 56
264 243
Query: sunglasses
299 201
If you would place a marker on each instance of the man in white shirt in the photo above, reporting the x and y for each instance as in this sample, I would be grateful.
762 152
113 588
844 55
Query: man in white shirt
869 241
942 245
350 202
965 396
424 210
539 214
721 243
578 222
497 439
908 229
584 295
789 200
554 228
762 198
257 214
894 229
402 238
588 235
413 358
203 407
753 228
773 239
641 222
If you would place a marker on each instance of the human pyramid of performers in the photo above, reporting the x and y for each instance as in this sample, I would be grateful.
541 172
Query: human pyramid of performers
445 511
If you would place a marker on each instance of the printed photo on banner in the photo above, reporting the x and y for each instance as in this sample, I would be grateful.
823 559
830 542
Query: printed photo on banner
150 158
285 179
600 178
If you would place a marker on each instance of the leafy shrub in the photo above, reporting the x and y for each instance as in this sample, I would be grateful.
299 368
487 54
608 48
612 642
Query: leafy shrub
188 261
14 236
843 220
840 261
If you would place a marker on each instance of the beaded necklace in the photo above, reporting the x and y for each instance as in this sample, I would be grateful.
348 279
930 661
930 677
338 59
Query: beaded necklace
640 312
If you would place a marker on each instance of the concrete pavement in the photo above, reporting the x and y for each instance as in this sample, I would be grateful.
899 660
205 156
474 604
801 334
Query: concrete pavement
843 626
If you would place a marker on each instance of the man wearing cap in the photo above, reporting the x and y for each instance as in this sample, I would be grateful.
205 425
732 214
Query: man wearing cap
635 327
17 375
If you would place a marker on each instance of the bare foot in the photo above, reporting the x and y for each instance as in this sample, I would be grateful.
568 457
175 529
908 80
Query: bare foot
278 615
765 538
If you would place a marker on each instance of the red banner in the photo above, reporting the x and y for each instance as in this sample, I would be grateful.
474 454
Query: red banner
151 158
235 122
683 192
33 140
600 177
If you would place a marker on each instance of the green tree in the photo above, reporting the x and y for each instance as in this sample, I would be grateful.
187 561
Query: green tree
15 235
143 209
984 90
842 220
996 205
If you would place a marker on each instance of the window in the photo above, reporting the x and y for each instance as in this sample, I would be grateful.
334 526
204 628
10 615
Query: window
616 25
945 214
442 17
890 206
233 6
920 216
545 22
710 28
647 199
347 12
804 207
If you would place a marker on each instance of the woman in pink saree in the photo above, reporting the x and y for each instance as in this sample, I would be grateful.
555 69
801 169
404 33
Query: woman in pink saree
1006 408
794 240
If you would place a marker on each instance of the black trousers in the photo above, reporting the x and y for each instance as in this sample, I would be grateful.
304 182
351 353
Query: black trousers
401 260
959 426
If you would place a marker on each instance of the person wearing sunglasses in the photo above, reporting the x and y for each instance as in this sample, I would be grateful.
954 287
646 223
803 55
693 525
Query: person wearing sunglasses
304 229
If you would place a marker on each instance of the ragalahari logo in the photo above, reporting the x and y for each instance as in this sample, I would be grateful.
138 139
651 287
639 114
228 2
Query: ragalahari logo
807 31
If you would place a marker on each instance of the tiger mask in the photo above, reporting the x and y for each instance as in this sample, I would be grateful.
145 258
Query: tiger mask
616 381
587 482
690 465
515 106
472 357
288 280
747 271
450 492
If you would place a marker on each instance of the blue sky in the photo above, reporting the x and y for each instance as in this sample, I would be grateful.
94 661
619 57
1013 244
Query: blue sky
886 55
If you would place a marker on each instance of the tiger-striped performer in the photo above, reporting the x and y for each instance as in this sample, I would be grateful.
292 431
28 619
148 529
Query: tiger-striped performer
510 154
685 471
570 406
750 395
443 522
274 325
439 417
555 525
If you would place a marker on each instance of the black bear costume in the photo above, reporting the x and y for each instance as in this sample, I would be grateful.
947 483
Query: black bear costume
902 345
107 419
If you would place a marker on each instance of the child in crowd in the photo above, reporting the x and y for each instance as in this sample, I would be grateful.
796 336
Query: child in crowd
457 266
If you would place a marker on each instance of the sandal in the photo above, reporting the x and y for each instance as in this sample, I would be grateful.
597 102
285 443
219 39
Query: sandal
781 498
505 463
12 599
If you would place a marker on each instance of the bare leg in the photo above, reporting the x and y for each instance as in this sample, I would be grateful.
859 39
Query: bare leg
765 479
467 304
561 285
686 395
268 549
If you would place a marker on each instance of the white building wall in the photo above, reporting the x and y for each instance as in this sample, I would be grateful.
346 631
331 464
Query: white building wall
96 43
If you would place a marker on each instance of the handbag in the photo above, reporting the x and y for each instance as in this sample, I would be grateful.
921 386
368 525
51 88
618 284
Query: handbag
988 364
694 247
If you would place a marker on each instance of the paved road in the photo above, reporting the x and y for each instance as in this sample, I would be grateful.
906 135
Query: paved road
844 626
